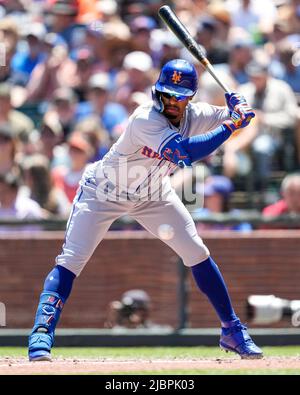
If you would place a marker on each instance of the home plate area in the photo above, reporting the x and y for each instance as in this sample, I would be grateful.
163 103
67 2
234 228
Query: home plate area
110 366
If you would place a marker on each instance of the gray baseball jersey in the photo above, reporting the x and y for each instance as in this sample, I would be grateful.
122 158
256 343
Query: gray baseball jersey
134 160
119 184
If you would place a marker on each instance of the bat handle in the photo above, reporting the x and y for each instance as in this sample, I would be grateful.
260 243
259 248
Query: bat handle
210 69
238 120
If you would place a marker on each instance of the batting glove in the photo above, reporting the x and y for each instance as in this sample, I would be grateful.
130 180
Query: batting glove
234 99
239 121
240 112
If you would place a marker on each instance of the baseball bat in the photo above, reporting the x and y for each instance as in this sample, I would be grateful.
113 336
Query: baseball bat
183 35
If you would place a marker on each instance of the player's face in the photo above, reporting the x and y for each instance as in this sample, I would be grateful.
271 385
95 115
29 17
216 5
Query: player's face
174 107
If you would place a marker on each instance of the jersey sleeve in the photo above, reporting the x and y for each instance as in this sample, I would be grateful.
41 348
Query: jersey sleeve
152 131
206 117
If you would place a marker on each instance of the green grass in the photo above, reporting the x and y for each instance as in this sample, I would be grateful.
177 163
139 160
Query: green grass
176 353
145 352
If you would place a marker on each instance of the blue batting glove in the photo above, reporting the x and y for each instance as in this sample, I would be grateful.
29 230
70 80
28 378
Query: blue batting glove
240 112
242 115
239 121
234 99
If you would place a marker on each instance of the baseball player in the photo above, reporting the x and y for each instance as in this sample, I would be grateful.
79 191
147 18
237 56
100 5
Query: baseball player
133 179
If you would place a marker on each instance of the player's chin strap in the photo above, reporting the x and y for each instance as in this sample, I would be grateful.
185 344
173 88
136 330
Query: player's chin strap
157 101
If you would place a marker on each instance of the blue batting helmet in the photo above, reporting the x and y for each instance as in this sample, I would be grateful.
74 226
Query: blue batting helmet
178 77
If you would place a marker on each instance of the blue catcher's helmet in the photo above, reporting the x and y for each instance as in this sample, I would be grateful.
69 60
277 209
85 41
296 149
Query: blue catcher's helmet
177 77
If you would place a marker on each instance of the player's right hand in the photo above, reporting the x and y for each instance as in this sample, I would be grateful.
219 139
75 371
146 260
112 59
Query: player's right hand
242 117
239 120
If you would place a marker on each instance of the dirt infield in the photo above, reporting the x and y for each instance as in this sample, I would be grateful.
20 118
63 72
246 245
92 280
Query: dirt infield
21 366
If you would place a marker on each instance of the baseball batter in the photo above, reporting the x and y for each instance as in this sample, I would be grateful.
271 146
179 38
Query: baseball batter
133 178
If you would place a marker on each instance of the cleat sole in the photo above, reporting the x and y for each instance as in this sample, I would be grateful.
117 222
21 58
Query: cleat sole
243 356
41 355
42 358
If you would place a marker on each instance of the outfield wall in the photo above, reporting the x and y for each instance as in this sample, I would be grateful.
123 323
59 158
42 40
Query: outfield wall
260 262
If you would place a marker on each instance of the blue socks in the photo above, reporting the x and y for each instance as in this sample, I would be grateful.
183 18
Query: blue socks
210 281
206 274
60 281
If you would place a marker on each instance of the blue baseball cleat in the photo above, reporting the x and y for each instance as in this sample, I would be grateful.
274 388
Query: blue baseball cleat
236 338
40 344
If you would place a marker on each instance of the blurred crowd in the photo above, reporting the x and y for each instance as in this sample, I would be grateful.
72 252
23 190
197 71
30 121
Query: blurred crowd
72 72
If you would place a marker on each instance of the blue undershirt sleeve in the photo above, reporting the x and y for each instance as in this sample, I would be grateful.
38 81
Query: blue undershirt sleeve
184 152
198 147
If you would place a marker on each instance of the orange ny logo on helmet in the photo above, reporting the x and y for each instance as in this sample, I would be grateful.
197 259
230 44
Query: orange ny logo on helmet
176 77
